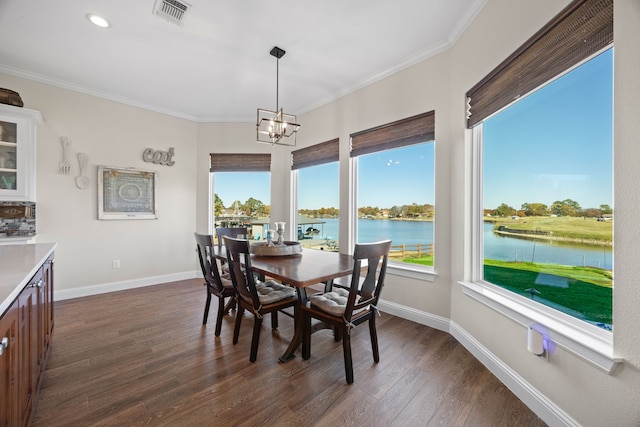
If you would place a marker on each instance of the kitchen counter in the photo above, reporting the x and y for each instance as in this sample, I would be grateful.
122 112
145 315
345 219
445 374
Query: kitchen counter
18 264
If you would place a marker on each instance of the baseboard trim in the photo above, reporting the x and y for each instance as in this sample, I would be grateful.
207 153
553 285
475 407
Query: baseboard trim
536 401
63 294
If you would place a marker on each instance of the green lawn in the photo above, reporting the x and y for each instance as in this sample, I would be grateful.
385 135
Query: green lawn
569 227
585 293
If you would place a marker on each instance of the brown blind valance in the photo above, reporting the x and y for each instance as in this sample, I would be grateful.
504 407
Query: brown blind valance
409 131
225 162
582 29
325 152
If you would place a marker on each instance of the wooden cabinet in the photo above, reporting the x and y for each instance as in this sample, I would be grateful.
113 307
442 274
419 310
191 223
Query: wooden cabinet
9 407
18 128
27 326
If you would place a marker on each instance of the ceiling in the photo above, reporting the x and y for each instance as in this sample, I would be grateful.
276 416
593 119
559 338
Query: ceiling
216 65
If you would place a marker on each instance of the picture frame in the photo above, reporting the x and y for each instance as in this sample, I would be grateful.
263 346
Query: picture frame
126 193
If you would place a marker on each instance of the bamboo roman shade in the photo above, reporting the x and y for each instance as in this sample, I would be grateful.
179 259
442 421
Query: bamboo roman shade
325 152
582 29
409 131
240 162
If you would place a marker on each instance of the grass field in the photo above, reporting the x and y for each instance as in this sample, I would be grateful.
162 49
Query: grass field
583 292
580 229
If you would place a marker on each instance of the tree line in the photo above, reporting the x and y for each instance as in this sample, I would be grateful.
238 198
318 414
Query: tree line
253 208
565 207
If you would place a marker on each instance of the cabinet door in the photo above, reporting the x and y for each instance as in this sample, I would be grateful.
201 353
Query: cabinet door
17 153
9 414
27 328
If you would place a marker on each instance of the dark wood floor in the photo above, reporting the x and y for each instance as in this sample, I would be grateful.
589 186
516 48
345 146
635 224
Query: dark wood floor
142 357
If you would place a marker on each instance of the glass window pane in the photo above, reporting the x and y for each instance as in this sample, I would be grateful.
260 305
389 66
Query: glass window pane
396 201
318 202
242 199
548 194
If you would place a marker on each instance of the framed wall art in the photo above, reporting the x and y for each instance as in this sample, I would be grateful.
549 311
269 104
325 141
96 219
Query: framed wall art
126 193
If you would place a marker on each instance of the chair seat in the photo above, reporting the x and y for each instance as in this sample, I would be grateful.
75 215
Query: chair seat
334 302
271 291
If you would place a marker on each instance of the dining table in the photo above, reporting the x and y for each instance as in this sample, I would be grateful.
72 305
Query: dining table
301 270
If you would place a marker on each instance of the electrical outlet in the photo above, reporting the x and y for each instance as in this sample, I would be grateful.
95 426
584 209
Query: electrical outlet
116 263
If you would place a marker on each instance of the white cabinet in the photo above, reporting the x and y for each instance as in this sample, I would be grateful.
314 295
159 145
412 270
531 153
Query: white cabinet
18 128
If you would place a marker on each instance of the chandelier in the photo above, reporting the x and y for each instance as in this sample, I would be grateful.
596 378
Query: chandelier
276 127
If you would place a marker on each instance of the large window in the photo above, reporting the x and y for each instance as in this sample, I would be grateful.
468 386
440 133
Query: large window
241 191
543 183
547 194
395 187
316 172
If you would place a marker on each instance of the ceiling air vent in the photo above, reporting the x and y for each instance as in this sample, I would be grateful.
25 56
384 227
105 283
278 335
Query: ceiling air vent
172 10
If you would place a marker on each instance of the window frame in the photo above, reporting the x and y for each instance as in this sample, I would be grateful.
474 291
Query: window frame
589 342
402 269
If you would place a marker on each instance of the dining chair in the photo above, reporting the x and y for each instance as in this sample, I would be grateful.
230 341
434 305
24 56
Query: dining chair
255 296
235 232
216 284
343 309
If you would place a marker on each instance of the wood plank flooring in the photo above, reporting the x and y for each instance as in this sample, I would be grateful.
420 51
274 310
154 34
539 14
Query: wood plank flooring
141 357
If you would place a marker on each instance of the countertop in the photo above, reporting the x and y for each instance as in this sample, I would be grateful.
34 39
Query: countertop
18 264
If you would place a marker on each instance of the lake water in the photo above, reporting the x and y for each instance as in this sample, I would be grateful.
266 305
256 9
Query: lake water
495 246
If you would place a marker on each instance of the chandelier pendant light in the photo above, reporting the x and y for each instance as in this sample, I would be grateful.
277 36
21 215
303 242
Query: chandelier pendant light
276 127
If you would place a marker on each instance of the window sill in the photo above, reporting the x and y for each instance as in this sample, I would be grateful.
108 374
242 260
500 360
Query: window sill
590 343
412 271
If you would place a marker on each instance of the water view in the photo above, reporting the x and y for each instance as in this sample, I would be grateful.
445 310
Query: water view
495 246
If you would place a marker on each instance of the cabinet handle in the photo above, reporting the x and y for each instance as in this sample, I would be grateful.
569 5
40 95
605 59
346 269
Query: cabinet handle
38 284
4 344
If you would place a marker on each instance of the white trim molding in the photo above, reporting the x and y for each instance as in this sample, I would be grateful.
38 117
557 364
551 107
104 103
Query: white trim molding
63 294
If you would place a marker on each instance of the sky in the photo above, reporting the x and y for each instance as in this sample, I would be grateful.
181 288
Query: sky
554 144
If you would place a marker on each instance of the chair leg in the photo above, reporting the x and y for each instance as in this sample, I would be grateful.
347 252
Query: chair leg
206 308
348 361
337 334
236 330
220 314
274 319
255 340
374 338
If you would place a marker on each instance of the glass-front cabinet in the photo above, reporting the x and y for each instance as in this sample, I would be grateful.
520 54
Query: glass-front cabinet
18 128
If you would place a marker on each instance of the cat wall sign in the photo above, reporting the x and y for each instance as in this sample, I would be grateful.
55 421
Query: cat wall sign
159 157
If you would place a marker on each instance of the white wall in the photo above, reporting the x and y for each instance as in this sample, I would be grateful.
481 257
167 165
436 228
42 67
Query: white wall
585 394
111 134
569 390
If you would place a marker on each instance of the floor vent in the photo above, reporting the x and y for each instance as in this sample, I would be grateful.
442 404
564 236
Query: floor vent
171 10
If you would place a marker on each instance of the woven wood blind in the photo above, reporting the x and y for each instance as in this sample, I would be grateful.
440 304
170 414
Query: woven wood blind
240 162
582 29
409 131
325 152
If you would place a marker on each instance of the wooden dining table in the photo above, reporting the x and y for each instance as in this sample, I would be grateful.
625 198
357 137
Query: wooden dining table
300 270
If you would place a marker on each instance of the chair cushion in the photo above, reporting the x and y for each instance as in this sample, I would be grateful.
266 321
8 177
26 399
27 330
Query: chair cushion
333 302
271 291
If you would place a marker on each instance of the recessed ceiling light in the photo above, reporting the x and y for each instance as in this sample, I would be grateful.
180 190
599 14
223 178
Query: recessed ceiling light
98 20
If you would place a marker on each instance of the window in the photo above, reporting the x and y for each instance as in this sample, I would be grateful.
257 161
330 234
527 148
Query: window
315 169
241 191
395 187
543 196
548 197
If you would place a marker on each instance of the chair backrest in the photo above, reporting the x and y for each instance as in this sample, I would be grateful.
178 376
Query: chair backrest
369 288
234 232
208 262
239 260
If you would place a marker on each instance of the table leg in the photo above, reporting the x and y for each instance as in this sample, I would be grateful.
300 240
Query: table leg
297 335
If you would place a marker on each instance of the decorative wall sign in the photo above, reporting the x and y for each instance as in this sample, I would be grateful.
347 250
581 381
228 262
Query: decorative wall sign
126 193
159 157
